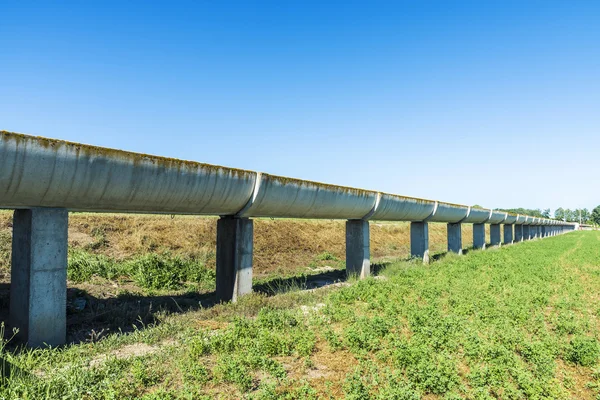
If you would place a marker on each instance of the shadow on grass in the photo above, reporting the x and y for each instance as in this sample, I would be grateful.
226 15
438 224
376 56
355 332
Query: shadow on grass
91 317
441 255
309 282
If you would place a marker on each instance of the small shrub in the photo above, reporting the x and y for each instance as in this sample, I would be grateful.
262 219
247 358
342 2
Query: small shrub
355 387
233 370
83 265
154 271
327 256
583 351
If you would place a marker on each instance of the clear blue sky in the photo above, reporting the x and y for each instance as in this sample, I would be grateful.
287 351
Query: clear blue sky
488 102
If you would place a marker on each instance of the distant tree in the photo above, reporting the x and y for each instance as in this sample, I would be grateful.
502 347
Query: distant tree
595 216
559 214
572 215
585 216
546 213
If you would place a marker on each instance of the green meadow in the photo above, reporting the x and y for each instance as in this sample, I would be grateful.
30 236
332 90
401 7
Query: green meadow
516 322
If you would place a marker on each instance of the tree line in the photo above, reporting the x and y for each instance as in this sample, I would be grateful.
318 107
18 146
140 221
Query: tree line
562 214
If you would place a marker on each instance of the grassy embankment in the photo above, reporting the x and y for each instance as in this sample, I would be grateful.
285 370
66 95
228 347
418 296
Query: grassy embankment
517 322
124 269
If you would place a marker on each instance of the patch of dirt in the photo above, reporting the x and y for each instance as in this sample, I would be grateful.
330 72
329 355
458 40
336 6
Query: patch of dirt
131 350
78 238
579 377
329 370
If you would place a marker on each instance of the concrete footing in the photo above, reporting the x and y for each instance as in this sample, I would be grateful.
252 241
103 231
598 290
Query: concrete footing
479 236
526 232
455 238
358 251
419 241
508 234
234 257
38 287
495 239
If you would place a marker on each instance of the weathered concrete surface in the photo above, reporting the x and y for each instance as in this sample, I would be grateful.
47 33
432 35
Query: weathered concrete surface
38 288
495 234
455 238
508 234
358 248
278 196
447 212
479 236
40 172
400 208
234 257
419 241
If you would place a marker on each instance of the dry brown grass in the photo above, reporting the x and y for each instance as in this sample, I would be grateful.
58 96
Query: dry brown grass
280 246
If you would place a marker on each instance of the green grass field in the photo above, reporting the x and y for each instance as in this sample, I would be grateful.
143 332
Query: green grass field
519 322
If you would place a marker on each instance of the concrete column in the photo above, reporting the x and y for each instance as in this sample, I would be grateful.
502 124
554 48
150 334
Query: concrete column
419 241
234 257
358 251
526 232
508 234
518 233
455 238
38 286
495 234
479 236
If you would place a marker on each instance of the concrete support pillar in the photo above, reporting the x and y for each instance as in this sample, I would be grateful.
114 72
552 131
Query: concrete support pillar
455 238
518 233
479 236
358 251
526 232
38 287
508 234
495 234
419 241
234 257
